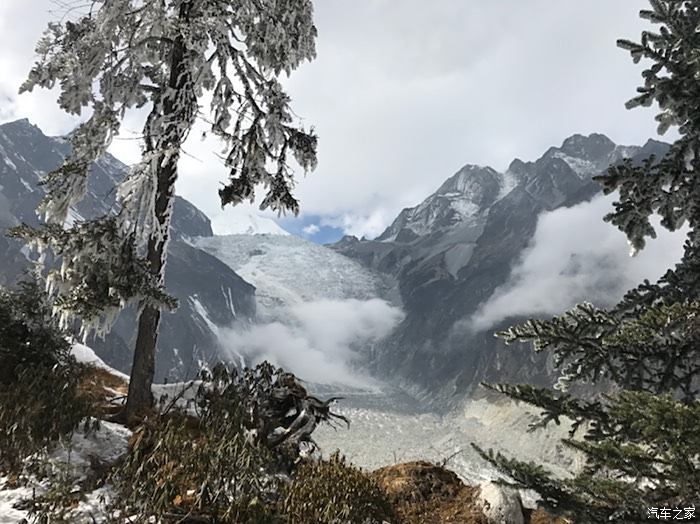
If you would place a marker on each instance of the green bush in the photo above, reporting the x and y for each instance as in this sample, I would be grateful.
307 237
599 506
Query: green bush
335 492
39 398
29 335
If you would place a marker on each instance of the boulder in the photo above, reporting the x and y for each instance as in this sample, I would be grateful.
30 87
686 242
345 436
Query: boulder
500 504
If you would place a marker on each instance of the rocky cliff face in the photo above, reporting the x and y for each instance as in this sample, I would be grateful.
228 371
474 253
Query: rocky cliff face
209 292
451 252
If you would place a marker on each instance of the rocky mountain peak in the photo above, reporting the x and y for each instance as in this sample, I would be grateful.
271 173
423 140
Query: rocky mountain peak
453 262
518 167
592 147
23 125
468 180
462 197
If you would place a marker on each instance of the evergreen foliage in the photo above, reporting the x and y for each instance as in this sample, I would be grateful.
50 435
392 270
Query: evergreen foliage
166 57
39 398
640 441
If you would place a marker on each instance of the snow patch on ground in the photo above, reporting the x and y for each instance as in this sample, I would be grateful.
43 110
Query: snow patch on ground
507 182
583 168
9 163
72 218
105 444
228 297
86 355
203 314
465 208
26 184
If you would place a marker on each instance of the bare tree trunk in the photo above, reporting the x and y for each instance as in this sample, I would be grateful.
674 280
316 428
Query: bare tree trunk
169 142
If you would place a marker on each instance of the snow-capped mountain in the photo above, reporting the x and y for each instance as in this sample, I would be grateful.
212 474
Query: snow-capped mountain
250 224
209 292
461 199
451 252
438 261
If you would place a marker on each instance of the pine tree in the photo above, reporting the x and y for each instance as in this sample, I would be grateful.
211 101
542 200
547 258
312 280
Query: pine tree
641 440
164 56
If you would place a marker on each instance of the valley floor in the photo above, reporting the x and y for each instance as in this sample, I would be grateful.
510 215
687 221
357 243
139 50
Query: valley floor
387 427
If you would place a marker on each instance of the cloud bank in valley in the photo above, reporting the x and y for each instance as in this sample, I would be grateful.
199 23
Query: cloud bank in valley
318 341
575 257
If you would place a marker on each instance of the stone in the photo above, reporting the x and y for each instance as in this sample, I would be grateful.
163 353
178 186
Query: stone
500 504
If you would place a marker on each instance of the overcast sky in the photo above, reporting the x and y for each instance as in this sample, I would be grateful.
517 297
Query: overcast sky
403 93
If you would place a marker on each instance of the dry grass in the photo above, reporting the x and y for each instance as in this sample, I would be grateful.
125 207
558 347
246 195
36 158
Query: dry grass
540 516
424 493
103 389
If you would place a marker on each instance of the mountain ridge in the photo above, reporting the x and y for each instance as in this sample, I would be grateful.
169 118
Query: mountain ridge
186 337
444 269
437 260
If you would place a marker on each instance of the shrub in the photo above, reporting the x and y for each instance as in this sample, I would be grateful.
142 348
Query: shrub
39 399
272 407
29 335
181 467
334 492
227 463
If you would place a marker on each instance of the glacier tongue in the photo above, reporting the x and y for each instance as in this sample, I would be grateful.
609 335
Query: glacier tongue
288 270
318 312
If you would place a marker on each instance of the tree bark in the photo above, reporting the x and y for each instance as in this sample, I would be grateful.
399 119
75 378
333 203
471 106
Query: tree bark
140 398
168 142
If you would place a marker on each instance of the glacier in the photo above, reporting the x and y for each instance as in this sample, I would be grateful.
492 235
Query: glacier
288 270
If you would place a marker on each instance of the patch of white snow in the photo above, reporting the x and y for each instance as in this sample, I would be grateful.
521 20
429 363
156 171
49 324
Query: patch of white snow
86 355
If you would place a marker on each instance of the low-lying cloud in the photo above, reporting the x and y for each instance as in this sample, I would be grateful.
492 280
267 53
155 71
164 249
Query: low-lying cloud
574 257
319 341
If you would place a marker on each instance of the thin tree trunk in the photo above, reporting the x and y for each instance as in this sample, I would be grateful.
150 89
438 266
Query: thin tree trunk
169 142
140 399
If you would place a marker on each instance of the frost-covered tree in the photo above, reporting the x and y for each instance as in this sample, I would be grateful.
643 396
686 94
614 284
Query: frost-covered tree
641 441
171 58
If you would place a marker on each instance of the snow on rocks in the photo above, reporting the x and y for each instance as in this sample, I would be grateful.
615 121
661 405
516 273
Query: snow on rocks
86 355
8 499
75 457
500 504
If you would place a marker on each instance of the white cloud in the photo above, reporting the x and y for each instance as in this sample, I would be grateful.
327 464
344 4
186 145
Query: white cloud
320 342
574 257
359 225
396 115
311 229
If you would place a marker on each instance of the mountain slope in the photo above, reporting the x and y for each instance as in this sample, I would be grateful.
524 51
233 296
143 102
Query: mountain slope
450 253
209 292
